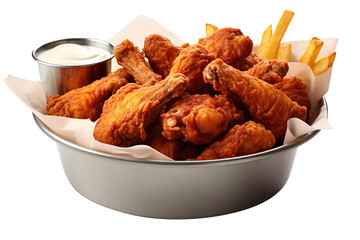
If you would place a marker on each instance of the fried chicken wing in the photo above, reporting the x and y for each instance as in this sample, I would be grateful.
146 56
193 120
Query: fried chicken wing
244 139
266 104
87 102
199 119
127 114
175 149
295 89
270 71
133 61
161 53
191 62
230 45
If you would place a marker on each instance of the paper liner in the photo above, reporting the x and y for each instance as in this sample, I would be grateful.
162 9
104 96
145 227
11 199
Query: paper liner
80 131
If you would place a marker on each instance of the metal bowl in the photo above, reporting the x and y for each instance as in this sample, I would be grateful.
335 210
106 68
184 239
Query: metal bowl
59 79
176 189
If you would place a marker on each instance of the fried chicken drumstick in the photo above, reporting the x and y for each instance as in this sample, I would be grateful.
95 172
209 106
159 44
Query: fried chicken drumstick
87 102
161 53
266 104
133 61
199 119
128 112
244 139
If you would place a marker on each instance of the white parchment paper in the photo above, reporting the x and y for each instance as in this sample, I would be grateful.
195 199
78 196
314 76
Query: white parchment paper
80 131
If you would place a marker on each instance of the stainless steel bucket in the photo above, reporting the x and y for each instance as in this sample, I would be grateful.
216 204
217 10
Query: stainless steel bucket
177 189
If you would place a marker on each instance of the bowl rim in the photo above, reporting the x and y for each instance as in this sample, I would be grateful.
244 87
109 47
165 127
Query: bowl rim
85 41
239 159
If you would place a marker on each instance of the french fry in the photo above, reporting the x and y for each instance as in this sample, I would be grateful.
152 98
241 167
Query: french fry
265 39
323 64
284 53
312 51
276 38
210 29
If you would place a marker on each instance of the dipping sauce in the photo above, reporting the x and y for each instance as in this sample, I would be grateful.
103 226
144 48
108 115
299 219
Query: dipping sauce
70 54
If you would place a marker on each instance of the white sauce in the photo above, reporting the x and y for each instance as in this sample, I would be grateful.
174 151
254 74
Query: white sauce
70 54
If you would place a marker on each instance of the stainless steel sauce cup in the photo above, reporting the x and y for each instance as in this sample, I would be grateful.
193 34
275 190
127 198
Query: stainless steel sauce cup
59 79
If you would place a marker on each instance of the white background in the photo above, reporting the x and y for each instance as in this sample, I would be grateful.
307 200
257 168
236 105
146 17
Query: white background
321 198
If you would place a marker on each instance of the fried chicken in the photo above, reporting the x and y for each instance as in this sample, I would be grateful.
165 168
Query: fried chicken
175 149
295 89
250 61
133 61
161 53
191 62
270 71
266 104
230 45
199 119
244 139
127 114
87 102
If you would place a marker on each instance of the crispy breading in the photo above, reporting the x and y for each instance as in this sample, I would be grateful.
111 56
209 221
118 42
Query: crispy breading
244 139
270 71
191 62
295 89
161 53
87 102
199 119
175 149
230 45
266 104
127 114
